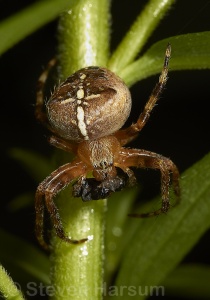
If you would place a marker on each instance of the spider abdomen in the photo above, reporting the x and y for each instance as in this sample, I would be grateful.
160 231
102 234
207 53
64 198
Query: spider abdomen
90 104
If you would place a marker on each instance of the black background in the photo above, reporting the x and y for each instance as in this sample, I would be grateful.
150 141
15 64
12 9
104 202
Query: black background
179 126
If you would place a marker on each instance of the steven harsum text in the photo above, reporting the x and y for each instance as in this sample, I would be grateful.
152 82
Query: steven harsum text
34 289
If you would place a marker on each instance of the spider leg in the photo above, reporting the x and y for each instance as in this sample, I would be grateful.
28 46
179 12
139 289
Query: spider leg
131 177
39 106
48 189
130 133
62 144
169 172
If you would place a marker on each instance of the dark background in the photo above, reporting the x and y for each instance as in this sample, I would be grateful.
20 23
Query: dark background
179 126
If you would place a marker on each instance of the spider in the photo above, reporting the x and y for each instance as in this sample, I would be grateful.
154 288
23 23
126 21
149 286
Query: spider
85 114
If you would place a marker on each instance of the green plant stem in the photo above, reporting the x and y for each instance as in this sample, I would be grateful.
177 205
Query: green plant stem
84 36
77 270
7 287
138 34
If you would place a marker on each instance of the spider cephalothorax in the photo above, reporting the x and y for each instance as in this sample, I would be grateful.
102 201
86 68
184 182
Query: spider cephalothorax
85 114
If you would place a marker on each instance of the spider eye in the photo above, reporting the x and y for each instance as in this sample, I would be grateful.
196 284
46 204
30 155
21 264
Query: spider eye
103 165
90 104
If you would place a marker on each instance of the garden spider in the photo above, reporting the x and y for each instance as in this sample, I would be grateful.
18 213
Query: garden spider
85 114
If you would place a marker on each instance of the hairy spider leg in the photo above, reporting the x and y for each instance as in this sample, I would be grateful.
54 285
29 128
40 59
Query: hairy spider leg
48 189
40 114
145 159
62 144
128 134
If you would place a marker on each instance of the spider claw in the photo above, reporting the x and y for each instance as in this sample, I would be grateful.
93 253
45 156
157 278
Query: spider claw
75 242
61 234
147 215
163 210
43 244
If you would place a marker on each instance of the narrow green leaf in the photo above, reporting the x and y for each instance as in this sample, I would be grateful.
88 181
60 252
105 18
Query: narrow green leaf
189 51
8 289
139 33
190 281
22 24
159 244
21 201
35 164
23 258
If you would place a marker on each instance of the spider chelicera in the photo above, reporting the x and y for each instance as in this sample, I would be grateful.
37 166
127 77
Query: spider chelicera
85 114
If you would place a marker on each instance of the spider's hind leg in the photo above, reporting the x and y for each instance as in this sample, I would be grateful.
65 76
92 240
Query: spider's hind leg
40 113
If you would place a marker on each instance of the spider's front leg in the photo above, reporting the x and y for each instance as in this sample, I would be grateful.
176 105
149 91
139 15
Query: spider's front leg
46 192
146 159
128 134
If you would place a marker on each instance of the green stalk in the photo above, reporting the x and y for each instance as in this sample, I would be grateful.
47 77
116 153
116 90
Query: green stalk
84 36
77 270
138 34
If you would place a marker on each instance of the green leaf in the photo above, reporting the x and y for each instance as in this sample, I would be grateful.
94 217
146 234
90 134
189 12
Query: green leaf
25 22
190 281
23 259
138 34
8 288
159 244
35 164
21 201
189 51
